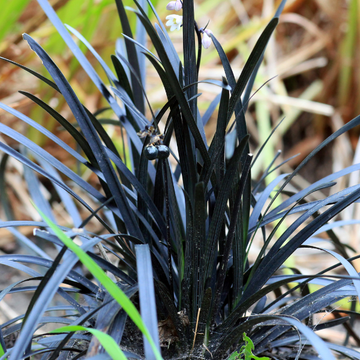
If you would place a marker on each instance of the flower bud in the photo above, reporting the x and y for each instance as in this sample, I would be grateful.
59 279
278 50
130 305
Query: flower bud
174 5
206 39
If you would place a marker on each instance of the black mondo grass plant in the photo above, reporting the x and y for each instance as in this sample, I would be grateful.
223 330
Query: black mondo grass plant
178 219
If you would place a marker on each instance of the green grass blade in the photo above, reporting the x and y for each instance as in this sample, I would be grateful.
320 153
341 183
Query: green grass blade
99 274
105 340
10 13
347 53
2 352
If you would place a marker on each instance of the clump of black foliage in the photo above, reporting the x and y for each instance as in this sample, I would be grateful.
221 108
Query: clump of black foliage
196 219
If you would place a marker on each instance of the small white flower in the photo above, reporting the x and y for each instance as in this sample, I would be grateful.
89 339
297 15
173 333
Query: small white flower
206 39
174 5
174 21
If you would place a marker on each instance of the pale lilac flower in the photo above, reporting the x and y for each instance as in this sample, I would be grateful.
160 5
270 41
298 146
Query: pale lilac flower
174 21
206 39
174 5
